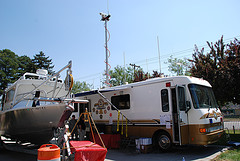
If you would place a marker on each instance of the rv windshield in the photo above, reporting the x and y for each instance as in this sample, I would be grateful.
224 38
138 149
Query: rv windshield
202 96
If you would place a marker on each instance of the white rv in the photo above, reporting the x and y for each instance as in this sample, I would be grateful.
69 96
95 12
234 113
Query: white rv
174 110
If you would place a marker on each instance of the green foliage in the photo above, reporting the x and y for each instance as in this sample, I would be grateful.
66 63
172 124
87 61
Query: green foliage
80 86
230 155
8 68
221 68
25 64
40 61
120 76
178 66
13 66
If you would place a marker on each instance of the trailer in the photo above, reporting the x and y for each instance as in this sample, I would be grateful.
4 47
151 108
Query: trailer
173 110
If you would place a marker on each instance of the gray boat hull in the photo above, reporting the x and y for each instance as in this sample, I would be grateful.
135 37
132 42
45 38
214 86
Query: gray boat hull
33 124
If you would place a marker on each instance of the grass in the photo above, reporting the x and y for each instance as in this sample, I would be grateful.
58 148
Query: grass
232 132
230 155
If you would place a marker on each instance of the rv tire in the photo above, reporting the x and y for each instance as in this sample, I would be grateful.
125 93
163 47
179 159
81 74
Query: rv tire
164 141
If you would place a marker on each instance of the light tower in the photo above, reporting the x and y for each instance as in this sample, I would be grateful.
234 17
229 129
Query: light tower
105 18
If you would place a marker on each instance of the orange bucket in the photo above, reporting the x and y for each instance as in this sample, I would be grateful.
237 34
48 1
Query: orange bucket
49 152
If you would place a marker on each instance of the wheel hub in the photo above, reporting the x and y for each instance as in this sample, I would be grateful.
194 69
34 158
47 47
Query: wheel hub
164 142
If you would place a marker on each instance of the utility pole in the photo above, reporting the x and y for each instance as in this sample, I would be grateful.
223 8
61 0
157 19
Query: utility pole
147 68
134 66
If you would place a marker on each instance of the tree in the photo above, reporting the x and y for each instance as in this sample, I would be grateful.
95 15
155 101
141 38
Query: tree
40 61
178 66
230 71
221 67
80 86
25 65
13 66
8 68
120 76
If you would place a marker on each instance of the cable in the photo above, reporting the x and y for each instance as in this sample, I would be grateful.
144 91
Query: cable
108 51
184 51
153 60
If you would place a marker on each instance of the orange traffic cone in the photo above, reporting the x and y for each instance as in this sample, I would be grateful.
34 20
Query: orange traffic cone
49 152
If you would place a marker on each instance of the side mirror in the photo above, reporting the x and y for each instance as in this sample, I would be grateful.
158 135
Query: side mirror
188 106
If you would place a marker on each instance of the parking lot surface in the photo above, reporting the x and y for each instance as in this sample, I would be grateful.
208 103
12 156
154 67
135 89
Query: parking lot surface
197 153
200 153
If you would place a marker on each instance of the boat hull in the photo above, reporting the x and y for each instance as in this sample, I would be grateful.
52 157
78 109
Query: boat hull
33 124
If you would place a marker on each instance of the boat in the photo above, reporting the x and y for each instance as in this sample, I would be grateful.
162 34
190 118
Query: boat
36 105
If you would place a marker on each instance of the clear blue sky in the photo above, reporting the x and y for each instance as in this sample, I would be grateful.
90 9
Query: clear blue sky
72 30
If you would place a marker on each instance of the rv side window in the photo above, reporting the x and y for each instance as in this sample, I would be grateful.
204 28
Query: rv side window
121 101
181 99
75 107
164 98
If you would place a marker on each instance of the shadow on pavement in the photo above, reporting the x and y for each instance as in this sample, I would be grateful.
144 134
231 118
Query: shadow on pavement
177 153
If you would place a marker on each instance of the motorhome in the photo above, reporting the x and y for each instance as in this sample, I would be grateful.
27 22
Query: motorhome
173 110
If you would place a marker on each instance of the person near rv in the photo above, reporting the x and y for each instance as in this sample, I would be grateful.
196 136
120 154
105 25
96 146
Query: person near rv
74 132
82 128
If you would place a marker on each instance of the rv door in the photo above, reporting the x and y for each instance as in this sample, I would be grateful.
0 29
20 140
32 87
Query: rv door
182 115
80 108
175 116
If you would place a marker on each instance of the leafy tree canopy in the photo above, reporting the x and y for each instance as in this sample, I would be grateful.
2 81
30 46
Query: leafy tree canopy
80 87
24 65
41 61
13 66
8 68
221 67
120 76
178 66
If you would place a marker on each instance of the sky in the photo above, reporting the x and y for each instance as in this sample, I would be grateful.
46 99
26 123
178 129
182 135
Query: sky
73 30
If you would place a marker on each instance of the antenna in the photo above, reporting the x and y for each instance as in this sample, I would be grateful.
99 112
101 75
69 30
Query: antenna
107 7
159 57
147 67
106 18
124 68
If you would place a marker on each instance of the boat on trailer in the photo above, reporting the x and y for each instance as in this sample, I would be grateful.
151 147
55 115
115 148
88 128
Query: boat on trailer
35 105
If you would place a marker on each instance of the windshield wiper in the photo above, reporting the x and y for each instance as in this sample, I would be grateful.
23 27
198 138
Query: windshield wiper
209 102
217 108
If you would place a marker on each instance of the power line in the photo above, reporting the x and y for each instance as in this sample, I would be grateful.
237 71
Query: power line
185 51
153 60
91 75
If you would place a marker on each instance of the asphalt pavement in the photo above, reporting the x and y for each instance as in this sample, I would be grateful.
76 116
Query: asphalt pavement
6 155
196 153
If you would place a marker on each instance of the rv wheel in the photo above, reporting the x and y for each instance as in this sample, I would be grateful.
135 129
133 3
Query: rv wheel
164 141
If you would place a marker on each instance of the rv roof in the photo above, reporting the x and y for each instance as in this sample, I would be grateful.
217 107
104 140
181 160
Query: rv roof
148 81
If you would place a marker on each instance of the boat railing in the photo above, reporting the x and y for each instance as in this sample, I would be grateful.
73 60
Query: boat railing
32 95
69 65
